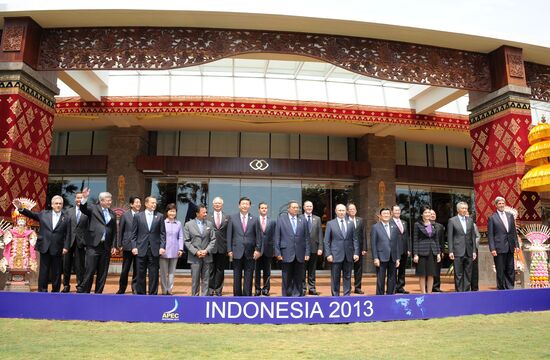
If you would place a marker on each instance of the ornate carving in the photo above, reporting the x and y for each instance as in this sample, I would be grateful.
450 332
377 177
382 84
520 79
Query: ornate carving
12 37
515 65
168 48
538 79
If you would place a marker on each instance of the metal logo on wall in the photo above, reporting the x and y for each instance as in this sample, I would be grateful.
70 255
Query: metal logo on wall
258 165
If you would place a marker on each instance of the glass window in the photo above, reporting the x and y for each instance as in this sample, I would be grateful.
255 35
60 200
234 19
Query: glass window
67 187
257 191
255 145
101 142
80 143
400 158
284 146
165 190
338 148
418 197
190 194
311 90
416 154
154 85
313 147
167 143
282 191
370 95
217 86
194 143
224 144
341 93
468 159
319 195
186 85
281 89
122 85
457 159
249 87
229 190
59 143
439 156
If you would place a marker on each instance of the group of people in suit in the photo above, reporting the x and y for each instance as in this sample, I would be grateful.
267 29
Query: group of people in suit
85 236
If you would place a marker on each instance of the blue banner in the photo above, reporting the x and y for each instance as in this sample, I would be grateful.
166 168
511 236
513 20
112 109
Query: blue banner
264 310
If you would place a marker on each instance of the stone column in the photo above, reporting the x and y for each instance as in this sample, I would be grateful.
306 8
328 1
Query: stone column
125 144
378 190
499 126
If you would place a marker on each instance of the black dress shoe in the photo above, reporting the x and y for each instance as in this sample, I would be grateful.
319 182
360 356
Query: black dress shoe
314 292
358 291
402 292
257 293
120 292
66 289
436 290
265 292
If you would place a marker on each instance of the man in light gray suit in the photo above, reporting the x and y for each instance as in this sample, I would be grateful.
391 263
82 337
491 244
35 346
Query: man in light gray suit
341 250
200 238
386 252
461 237
315 245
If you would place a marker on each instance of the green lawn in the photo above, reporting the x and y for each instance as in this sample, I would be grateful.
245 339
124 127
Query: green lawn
509 336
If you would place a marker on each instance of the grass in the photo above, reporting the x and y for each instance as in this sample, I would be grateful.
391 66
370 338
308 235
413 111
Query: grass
507 336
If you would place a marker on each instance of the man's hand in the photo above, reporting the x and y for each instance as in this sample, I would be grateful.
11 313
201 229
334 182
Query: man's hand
113 251
306 258
86 193
451 256
280 258
474 255
355 258
377 262
257 255
494 253
65 251
230 254
415 259
180 253
319 252
134 251
408 253
397 262
329 258
162 251
438 258
364 252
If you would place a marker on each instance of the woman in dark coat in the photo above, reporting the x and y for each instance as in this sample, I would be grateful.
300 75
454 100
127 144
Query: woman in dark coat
425 250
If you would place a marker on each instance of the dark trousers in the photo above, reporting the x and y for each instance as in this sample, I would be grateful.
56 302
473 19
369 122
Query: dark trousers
49 263
128 261
97 261
401 271
215 284
77 257
386 273
240 265
263 264
336 271
437 276
475 275
506 276
310 267
358 273
293 276
463 273
147 264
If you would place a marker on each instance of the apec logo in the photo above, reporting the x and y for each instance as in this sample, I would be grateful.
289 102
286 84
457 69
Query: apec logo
172 315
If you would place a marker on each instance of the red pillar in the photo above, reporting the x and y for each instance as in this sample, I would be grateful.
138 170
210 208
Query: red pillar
26 116
499 125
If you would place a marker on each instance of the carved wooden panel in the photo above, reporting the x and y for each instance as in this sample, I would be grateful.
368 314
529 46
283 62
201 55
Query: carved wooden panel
538 79
12 37
168 48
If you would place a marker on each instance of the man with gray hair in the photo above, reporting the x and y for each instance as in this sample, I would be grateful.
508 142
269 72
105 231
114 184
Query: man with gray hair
461 236
503 241
101 240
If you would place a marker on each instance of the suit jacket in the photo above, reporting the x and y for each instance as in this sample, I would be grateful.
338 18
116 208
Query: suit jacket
499 239
195 241
461 243
143 238
440 235
423 243
383 246
50 241
289 245
78 229
342 248
97 225
125 231
404 238
267 244
315 233
242 243
221 234
360 232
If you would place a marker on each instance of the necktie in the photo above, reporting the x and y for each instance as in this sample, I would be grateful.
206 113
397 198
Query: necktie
504 220
463 222
201 229
263 223
309 222
387 227
149 219
399 225
106 216
77 214
55 219
342 227
293 224
244 223
218 220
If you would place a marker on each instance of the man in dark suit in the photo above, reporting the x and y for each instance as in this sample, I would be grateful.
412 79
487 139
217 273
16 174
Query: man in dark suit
441 240
462 246
475 265
359 225
243 246
148 243
503 242
219 253
386 252
292 248
55 230
101 239
74 251
315 245
404 241
200 239
125 245
341 250
265 228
